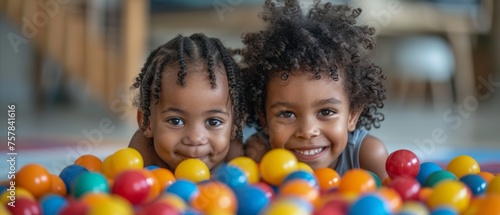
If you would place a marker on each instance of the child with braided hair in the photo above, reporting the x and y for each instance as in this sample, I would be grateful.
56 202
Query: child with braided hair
190 104
313 88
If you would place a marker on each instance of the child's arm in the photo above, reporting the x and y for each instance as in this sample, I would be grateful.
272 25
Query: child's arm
372 156
235 150
141 144
255 148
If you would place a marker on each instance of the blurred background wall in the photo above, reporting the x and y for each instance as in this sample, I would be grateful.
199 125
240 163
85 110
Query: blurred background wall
67 66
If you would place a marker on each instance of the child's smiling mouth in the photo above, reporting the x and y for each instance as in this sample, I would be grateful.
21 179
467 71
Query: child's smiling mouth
310 152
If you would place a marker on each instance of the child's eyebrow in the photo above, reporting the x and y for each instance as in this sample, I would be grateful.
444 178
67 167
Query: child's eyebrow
177 110
217 111
328 101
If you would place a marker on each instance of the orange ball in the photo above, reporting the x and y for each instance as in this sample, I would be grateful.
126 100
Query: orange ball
34 178
215 196
300 189
57 185
327 178
487 176
488 204
90 162
357 181
392 197
94 199
424 193
164 177
155 186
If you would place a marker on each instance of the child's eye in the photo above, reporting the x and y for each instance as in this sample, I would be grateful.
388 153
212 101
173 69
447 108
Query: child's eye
175 121
326 112
214 122
286 114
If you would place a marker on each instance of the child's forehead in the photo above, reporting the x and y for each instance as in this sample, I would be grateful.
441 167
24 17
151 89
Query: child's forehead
284 77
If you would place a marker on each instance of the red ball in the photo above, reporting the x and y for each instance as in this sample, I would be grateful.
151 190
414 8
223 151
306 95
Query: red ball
408 188
402 163
334 207
132 185
74 208
26 206
160 208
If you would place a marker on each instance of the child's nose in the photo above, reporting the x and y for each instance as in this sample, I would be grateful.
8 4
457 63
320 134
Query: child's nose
196 136
307 129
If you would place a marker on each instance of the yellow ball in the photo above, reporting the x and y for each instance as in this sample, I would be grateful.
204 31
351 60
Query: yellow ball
249 167
192 169
287 207
463 165
494 186
125 159
303 166
277 164
175 201
115 205
450 193
18 193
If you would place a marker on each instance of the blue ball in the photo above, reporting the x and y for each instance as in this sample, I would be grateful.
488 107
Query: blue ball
251 200
476 183
302 175
230 175
51 204
444 211
368 205
70 173
151 167
426 169
183 188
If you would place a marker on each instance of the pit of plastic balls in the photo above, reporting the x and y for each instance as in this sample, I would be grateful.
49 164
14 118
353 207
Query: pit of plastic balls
280 185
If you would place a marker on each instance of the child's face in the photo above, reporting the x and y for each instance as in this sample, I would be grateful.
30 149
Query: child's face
194 121
309 117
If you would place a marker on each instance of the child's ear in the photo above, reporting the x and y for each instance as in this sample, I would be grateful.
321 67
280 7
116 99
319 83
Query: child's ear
353 119
140 119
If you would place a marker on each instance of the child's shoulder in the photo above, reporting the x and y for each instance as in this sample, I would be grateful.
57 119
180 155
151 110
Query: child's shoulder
372 155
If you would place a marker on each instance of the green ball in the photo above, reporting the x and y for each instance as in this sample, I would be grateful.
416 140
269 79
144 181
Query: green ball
439 176
89 182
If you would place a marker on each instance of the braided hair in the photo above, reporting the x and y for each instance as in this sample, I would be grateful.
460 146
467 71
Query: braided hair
323 40
183 50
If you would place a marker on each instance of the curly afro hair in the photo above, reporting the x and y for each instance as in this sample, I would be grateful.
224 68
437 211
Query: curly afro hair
323 40
182 51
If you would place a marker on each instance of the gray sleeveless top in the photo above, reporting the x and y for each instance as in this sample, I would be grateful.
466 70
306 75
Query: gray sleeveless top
349 158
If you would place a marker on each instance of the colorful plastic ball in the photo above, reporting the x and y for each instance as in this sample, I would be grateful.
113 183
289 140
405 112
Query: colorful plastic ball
215 196
248 166
230 175
327 178
463 165
300 189
413 208
336 206
357 181
25 206
426 169
450 193
153 184
309 177
267 189
69 174
151 167
115 205
177 202
93 199
476 184
402 163
444 211
57 185
133 186
34 178
4 210
305 167
52 204
494 186
439 176
251 200
276 164
164 177
11 195
487 176
90 162
192 169
89 182
158 207
107 169
286 206
74 207
424 193
126 159
408 188
377 179
487 204
369 204
185 189
392 198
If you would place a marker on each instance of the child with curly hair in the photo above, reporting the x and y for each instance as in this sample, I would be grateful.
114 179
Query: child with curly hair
313 88
190 104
